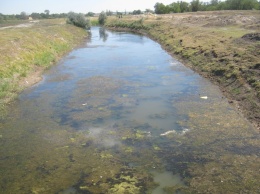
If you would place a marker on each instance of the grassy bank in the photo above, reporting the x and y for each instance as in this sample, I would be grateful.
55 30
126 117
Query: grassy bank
214 45
28 50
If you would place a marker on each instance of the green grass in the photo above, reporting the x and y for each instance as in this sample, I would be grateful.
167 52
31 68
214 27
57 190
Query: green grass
25 49
94 21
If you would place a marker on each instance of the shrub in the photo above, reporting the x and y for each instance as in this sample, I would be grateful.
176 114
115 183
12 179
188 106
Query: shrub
78 20
102 18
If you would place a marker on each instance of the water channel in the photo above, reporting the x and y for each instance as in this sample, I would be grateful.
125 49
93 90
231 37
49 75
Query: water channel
120 115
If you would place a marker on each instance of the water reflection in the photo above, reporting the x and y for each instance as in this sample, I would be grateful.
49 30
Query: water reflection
103 34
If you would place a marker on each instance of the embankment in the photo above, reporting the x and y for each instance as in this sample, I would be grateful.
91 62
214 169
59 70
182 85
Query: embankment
222 46
27 50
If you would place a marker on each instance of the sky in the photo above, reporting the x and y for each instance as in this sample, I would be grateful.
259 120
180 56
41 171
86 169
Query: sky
79 6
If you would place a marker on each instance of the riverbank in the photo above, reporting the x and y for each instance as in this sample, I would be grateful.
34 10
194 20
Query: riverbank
29 49
222 46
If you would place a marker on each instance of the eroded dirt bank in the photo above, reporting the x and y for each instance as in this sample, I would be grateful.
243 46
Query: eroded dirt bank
222 46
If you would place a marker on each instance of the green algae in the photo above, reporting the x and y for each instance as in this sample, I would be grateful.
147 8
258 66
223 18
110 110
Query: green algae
206 156
214 158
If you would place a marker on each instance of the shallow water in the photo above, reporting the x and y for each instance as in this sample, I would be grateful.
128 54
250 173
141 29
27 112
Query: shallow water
120 115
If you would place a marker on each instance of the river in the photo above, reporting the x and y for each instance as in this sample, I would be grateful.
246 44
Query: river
120 115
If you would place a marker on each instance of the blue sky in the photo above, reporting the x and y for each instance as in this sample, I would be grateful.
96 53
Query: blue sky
83 6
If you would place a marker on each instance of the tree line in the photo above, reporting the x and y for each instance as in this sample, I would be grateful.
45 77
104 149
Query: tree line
213 5
45 15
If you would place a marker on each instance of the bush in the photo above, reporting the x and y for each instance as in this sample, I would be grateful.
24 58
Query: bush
102 18
78 20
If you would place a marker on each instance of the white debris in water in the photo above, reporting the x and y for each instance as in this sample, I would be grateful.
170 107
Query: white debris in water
185 131
174 63
204 97
173 131
85 104
168 132
147 132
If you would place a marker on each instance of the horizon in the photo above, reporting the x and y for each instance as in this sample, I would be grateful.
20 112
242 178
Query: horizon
13 7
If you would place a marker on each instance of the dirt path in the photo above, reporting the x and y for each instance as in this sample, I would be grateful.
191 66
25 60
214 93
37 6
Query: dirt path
26 25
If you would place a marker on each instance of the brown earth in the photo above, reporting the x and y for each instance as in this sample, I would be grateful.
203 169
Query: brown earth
222 46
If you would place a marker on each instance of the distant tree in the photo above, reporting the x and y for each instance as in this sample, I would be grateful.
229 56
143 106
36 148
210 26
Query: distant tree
109 13
78 20
119 14
23 16
102 18
208 5
184 6
149 11
137 12
90 14
242 4
174 7
195 5
47 12
249 4
214 2
36 16
160 8
1 16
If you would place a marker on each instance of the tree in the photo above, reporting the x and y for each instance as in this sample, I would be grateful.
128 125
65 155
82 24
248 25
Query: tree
36 16
184 6
90 14
160 8
148 11
119 14
174 7
214 2
109 13
249 4
242 4
195 5
78 20
1 16
47 12
102 18
137 12
23 16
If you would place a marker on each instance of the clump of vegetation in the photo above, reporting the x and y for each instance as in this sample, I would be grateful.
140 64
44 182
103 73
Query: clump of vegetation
197 5
78 20
134 25
102 18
